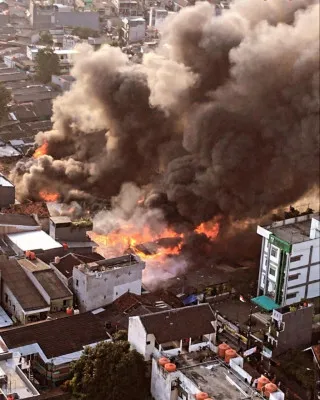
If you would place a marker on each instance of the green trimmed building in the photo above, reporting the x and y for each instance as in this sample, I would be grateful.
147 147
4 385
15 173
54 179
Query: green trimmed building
290 260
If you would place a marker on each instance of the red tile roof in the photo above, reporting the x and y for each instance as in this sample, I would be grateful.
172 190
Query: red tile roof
38 208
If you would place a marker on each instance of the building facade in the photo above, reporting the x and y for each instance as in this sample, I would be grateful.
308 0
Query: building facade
290 328
99 283
290 259
170 332
134 29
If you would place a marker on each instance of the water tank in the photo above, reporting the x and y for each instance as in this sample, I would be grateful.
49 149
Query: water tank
163 361
230 353
56 260
76 311
201 396
222 349
32 255
69 311
170 367
262 381
269 388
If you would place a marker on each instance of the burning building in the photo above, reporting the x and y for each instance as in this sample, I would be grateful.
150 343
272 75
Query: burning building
220 123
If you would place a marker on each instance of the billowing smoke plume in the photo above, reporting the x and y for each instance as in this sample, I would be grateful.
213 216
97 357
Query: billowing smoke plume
222 120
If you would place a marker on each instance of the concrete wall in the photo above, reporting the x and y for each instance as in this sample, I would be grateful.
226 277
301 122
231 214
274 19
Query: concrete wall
137 337
12 306
137 33
297 330
78 19
97 290
7 193
68 233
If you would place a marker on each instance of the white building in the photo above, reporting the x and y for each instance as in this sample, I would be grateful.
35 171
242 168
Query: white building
157 17
99 283
134 29
174 331
65 56
290 260
194 379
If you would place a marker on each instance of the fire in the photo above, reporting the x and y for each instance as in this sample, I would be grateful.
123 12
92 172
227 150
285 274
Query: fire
48 196
41 151
210 229
149 246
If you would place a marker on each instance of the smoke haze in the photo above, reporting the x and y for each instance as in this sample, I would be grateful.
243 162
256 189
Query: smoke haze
221 120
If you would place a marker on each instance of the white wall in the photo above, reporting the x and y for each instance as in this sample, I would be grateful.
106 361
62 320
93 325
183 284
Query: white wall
94 291
137 337
12 306
137 33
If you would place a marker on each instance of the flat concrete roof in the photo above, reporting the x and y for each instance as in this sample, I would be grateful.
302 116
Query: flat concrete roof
293 233
216 380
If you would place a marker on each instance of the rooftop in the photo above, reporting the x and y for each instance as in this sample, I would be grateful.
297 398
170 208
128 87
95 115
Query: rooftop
38 208
5 182
22 387
218 381
20 285
15 219
52 284
34 240
293 230
109 264
5 320
9 151
175 324
70 260
34 265
73 334
265 302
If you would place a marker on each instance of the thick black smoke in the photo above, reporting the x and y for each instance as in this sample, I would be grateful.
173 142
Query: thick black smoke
223 119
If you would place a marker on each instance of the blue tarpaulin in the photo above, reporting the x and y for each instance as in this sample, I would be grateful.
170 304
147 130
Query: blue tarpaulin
265 302
190 300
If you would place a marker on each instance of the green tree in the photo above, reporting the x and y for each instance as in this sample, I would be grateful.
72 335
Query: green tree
5 97
109 371
46 38
47 64
120 335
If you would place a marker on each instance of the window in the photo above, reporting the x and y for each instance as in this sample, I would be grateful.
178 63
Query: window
6 297
77 282
104 296
14 308
148 342
295 258
274 251
291 295
293 277
272 271
64 302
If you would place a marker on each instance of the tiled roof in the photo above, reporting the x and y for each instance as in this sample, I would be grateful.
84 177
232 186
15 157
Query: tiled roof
20 285
60 336
179 323
70 260
38 208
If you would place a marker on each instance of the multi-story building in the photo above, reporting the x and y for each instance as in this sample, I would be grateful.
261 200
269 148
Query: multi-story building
134 29
290 328
290 260
157 17
99 283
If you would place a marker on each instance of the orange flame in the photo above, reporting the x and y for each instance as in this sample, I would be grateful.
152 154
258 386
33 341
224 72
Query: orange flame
147 244
41 151
48 196
210 229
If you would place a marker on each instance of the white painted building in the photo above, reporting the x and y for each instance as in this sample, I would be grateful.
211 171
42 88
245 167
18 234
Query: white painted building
290 259
211 378
99 283
174 331
134 29
157 17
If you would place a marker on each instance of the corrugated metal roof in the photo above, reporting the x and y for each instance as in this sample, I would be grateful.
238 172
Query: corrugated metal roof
33 241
